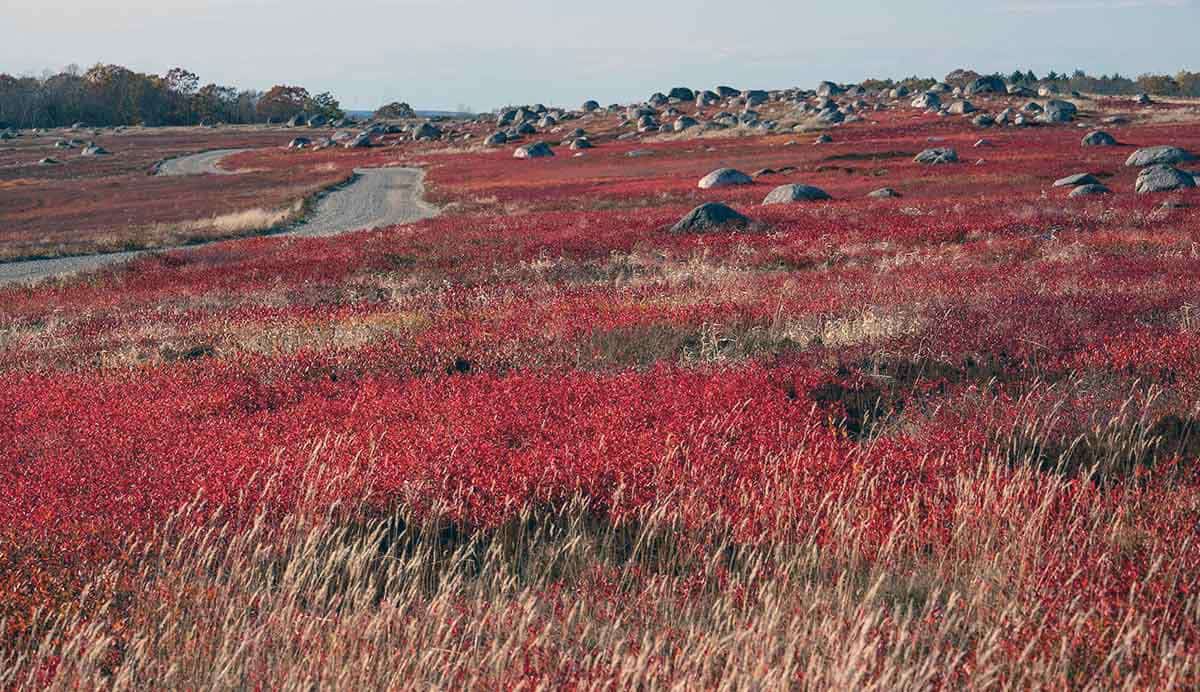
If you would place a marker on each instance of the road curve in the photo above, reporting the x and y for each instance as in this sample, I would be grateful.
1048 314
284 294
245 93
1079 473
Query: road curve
204 163
375 197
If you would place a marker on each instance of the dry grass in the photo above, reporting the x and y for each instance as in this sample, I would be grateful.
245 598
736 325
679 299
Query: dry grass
563 597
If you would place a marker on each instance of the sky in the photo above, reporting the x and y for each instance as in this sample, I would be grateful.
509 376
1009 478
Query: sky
482 54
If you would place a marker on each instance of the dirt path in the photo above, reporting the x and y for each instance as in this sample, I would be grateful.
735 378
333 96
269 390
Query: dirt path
375 197
198 164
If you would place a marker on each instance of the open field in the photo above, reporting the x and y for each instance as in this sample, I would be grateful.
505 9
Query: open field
111 203
942 440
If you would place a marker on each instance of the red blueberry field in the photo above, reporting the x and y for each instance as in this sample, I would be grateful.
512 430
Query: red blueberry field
946 439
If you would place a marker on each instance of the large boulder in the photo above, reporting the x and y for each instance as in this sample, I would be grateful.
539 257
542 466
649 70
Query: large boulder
580 143
297 121
1151 156
537 150
1077 180
299 143
1059 112
361 141
1089 190
829 89
496 139
724 177
685 123
318 120
1099 138
986 85
94 150
927 101
589 106
963 107
937 155
682 93
710 217
787 194
1163 178
426 131
884 193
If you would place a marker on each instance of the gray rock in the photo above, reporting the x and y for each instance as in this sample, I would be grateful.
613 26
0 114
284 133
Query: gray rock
94 150
1099 138
1077 180
724 177
884 193
787 194
726 92
1059 112
496 139
682 93
1150 156
426 131
362 141
1142 100
317 121
710 217
537 150
963 107
986 85
828 89
928 100
581 143
937 155
1163 178
589 106
685 123
49 161
1089 190
299 143
983 120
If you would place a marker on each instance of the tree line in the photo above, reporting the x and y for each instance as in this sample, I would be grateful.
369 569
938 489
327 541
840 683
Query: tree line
1183 83
107 95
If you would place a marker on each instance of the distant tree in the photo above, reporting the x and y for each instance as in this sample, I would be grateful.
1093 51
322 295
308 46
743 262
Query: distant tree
282 102
325 104
1051 76
395 110
1016 77
1158 84
1189 83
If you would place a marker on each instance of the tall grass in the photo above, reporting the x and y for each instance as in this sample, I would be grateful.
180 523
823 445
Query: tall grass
568 597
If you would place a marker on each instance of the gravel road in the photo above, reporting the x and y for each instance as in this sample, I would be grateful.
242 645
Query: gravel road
198 164
375 197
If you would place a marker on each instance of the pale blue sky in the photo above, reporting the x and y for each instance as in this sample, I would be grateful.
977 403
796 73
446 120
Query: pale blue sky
483 53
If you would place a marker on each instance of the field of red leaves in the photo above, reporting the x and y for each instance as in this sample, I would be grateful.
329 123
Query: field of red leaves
942 440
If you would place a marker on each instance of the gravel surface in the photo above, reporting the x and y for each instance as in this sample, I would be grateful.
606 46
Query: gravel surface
376 197
198 164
